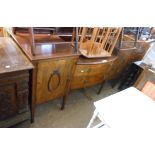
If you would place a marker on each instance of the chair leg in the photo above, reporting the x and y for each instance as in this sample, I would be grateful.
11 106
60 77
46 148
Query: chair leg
95 114
101 87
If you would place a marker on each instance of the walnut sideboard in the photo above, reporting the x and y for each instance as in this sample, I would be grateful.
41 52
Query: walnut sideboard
58 69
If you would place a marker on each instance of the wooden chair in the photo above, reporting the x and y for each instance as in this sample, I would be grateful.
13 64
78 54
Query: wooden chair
98 42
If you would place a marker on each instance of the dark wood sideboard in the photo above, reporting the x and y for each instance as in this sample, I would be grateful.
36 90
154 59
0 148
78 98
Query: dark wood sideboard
15 71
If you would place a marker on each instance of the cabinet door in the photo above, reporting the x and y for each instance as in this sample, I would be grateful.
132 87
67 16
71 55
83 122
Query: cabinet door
52 77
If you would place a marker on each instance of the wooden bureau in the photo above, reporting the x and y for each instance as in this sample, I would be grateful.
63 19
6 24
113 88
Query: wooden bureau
14 84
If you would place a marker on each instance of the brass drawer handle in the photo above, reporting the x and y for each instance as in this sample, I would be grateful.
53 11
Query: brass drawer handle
57 73
89 70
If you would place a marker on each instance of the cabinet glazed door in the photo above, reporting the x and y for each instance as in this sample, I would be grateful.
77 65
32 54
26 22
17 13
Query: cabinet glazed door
52 78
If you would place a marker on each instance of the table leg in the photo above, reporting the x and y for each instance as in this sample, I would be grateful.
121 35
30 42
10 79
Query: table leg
63 102
100 125
101 87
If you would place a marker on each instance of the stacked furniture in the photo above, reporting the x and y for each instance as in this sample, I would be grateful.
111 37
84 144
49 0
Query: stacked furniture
59 67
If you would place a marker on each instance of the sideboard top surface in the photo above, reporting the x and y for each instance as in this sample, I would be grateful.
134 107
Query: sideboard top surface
44 48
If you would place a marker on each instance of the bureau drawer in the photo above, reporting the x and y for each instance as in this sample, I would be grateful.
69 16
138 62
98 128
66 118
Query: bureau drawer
100 70
86 81
77 82
90 81
82 70
90 70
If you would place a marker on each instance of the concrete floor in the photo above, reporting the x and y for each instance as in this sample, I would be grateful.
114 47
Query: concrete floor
77 113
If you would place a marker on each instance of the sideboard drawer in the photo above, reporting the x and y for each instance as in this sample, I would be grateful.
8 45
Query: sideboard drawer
88 75
85 81
90 81
81 70
88 70
77 82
